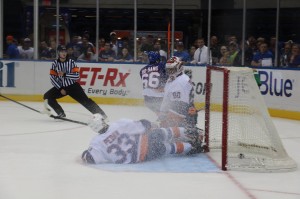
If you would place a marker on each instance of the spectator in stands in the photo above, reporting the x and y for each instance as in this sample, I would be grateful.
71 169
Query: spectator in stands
264 57
181 53
232 38
76 46
146 45
70 53
201 54
215 49
53 49
192 52
272 47
124 56
88 55
294 61
101 42
250 50
259 41
25 50
234 58
157 47
114 43
85 44
44 53
12 51
285 55
142 57
107 55
223 61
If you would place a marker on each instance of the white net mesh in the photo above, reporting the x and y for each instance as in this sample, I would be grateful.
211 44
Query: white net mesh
253 141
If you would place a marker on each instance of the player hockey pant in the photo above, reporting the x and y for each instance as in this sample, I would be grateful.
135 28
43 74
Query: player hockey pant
77 93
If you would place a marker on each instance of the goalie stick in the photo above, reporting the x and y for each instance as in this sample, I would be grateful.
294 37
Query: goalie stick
42 112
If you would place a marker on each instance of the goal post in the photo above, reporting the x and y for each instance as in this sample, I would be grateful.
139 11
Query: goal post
238 124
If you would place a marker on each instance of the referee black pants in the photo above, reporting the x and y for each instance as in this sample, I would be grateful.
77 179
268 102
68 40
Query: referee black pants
77 93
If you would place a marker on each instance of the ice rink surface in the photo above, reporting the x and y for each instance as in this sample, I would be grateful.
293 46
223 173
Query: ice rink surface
40 159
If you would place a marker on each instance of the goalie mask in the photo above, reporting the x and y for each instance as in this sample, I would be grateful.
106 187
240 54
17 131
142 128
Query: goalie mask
174 67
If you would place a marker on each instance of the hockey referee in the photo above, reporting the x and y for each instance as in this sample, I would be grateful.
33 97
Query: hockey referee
64 74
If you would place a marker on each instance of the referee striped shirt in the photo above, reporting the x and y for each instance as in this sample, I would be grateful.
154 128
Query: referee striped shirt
71 73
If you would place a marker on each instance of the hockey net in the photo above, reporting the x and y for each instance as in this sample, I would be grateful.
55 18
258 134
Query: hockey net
237 122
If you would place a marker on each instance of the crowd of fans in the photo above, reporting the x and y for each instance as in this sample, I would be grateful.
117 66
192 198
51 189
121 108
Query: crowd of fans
257 51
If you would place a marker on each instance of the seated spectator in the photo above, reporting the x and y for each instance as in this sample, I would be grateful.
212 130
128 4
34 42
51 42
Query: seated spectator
124 56
294 61
12 51
163 54
53 48
234 58
215 49
146 44
75 45
142 57
44 53
224 60
84 45
70 53
192 52
181 53
107 55
101 43
26 51
250 50
264 57
285 55
88 55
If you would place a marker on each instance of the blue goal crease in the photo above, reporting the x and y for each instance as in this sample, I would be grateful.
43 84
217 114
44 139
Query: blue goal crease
184 164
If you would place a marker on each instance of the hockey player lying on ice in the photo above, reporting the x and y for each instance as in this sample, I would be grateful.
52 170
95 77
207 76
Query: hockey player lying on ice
128 141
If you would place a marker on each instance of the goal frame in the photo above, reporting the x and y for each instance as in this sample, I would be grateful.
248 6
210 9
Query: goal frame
249 153
208 87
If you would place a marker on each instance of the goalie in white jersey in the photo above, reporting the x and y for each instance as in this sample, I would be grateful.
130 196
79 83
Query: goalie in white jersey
177 108
127 141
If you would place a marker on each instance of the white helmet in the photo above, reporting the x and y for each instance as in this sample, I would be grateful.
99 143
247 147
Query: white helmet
174 67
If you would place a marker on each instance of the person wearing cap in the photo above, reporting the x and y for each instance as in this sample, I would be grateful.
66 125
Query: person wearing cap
64 76
12 51
26 51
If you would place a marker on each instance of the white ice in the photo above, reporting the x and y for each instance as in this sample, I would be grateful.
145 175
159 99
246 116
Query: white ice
40 159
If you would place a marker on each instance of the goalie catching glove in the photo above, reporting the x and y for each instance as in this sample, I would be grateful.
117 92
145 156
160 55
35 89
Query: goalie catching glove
98 123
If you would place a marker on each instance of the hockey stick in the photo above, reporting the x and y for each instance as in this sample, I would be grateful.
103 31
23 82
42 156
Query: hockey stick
42 112
68 120
21 104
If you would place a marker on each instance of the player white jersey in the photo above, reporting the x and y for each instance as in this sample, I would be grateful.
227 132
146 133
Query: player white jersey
122 143
177 97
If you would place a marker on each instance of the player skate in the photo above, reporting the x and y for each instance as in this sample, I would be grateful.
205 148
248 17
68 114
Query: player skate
47 110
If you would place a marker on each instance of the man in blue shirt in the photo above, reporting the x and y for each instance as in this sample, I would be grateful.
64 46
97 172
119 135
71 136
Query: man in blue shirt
263 57
12 51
